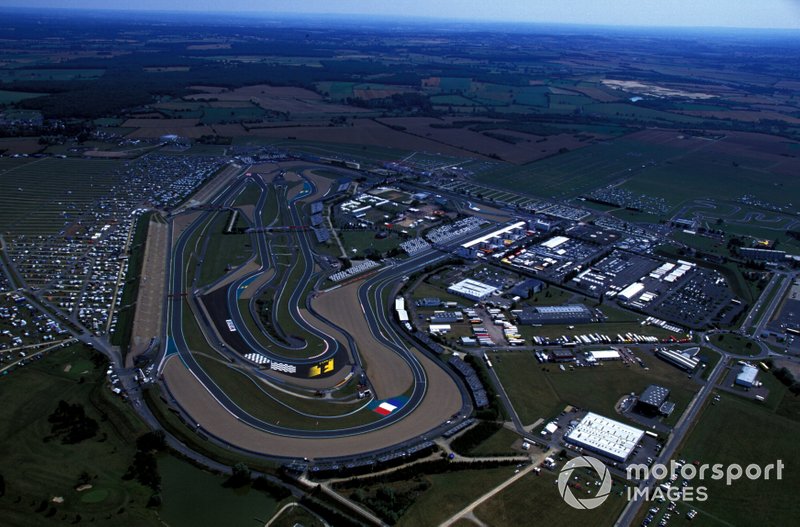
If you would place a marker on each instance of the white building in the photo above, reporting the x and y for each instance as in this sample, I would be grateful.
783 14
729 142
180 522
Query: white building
605 436
472 289
747 377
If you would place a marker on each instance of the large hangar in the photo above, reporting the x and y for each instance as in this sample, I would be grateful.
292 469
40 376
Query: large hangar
605 436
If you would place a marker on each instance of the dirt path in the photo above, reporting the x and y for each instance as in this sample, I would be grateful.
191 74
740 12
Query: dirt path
468 510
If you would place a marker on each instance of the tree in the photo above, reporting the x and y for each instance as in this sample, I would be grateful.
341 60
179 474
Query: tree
240 476
153 440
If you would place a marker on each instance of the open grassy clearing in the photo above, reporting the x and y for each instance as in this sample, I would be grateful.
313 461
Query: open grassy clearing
36 468
122 333
534 498
248 196
736 344
695 176
439 495
295 516
224 251
359 243
721 436
193 497
542 390
498 443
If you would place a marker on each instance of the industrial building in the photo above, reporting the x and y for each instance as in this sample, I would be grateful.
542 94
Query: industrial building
653 401
683 359
488 243
631 292
747 376
566 314
472 289
428 302
595 356
527 287
605 436
562 355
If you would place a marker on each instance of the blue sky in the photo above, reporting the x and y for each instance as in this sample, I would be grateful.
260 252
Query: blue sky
685 13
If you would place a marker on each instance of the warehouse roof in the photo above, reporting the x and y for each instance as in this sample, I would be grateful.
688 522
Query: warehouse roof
654 395
606 436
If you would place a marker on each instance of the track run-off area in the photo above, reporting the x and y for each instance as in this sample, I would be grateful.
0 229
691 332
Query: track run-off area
264 355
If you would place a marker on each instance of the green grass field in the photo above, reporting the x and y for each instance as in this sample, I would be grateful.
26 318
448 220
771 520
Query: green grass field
227 115
445 495
224 251
736 344
122 333
723 435
294 516
36 469
357 243
11 97
193 497
534 500
543 390
498 443
579 171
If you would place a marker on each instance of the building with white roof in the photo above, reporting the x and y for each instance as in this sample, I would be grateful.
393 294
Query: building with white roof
595 356
605 436
472 289
747 377
554 242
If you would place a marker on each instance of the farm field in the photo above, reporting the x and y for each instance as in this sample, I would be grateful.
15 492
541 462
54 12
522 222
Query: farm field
39 196
46 74
660 164
11 97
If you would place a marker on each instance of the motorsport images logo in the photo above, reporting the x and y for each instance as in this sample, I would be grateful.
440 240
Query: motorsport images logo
566 474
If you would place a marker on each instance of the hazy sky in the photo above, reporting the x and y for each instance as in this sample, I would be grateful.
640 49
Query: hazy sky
709 13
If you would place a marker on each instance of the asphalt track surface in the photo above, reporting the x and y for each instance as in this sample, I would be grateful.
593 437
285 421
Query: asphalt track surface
370 296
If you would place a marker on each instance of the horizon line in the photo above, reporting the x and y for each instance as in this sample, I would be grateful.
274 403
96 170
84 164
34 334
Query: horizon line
403 17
